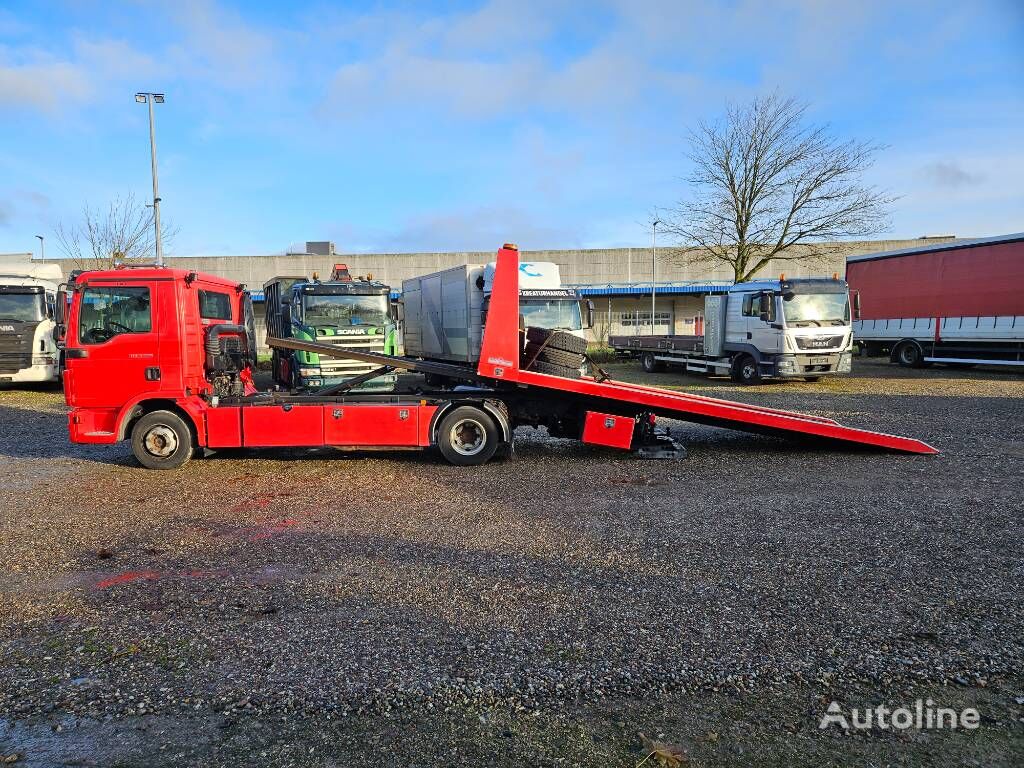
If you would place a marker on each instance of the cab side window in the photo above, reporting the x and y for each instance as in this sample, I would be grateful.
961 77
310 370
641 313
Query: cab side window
214 306
750 307
109 312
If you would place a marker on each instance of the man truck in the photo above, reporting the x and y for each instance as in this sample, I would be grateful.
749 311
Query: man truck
143 366
28 349
345 311
445 314
959 303
757 330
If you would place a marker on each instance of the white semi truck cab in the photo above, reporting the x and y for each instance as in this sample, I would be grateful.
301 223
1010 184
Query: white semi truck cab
28 350
444 313
543 301
764 329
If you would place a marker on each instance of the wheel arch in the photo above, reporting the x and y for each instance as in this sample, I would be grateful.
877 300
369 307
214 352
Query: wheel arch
894 351
493 408
132 413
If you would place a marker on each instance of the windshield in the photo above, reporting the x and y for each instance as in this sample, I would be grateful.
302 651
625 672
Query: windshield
546 313
804 309
21 307
345 310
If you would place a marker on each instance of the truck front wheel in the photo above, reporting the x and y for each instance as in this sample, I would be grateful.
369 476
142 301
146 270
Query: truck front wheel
910 355
746 370
162 440
467 436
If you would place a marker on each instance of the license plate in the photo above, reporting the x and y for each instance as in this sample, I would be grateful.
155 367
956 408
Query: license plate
819 361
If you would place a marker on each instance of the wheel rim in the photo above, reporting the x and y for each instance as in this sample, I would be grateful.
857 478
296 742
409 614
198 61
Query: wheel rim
467 437
160 441
907 354
748 371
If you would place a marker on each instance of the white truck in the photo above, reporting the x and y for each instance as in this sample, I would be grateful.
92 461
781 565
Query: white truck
28 350
764 329
445 312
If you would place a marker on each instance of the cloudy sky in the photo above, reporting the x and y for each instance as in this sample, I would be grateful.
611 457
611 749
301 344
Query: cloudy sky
446 126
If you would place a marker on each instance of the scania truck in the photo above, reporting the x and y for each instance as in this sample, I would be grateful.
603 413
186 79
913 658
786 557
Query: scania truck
345 311
757 330
28 350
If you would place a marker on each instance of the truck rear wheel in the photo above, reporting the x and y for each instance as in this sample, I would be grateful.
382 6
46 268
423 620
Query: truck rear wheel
650 364
162 440
467 436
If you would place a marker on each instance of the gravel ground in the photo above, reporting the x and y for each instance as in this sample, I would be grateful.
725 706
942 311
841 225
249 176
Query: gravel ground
322 608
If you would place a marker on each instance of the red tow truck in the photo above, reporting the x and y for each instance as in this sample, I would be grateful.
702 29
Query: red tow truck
163 358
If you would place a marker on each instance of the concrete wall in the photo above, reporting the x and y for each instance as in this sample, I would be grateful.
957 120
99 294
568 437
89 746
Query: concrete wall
590 266
595 266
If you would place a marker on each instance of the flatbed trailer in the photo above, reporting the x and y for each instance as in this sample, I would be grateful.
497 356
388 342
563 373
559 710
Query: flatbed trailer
469 422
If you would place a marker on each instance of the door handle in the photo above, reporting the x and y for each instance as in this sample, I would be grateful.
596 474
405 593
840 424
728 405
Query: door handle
75 352
153 373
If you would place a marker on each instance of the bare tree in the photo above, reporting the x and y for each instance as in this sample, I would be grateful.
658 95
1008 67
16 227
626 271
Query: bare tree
768 186
100 239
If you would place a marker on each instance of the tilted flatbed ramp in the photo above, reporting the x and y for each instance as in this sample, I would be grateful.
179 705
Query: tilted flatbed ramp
499 363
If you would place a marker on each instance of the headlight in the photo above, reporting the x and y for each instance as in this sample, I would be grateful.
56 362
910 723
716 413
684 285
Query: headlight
786 364
309 371
44 360
845 363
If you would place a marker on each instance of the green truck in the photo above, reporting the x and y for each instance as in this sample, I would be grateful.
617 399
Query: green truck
351 312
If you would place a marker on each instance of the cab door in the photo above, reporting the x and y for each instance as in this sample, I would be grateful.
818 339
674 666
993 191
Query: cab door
762 334
114 355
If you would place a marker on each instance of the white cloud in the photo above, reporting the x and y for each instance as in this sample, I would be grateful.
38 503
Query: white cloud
44 85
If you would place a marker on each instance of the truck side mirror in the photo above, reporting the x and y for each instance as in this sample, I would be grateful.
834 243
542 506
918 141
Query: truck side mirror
60 307
856 304
590 314
766 307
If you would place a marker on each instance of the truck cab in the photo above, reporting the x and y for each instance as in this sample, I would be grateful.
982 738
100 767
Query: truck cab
354 313
543 301
789 328
28 349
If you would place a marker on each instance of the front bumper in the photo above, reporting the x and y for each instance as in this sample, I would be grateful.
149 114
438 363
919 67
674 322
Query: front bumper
797 366
33 373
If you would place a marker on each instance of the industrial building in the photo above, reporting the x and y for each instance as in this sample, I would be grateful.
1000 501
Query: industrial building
617 280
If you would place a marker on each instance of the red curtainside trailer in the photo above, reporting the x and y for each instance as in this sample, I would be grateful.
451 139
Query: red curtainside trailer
162 357
959 303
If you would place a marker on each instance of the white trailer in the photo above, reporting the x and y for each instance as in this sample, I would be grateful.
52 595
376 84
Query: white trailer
28 350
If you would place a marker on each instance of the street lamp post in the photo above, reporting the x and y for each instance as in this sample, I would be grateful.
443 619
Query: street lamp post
42 247
150 99
654 266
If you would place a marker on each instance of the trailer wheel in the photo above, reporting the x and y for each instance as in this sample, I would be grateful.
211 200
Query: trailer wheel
650 364
909 354
162 440
746 370
557 340
467 436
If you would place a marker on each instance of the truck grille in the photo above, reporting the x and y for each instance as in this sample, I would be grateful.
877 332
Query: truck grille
819 342
340 366
16 350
